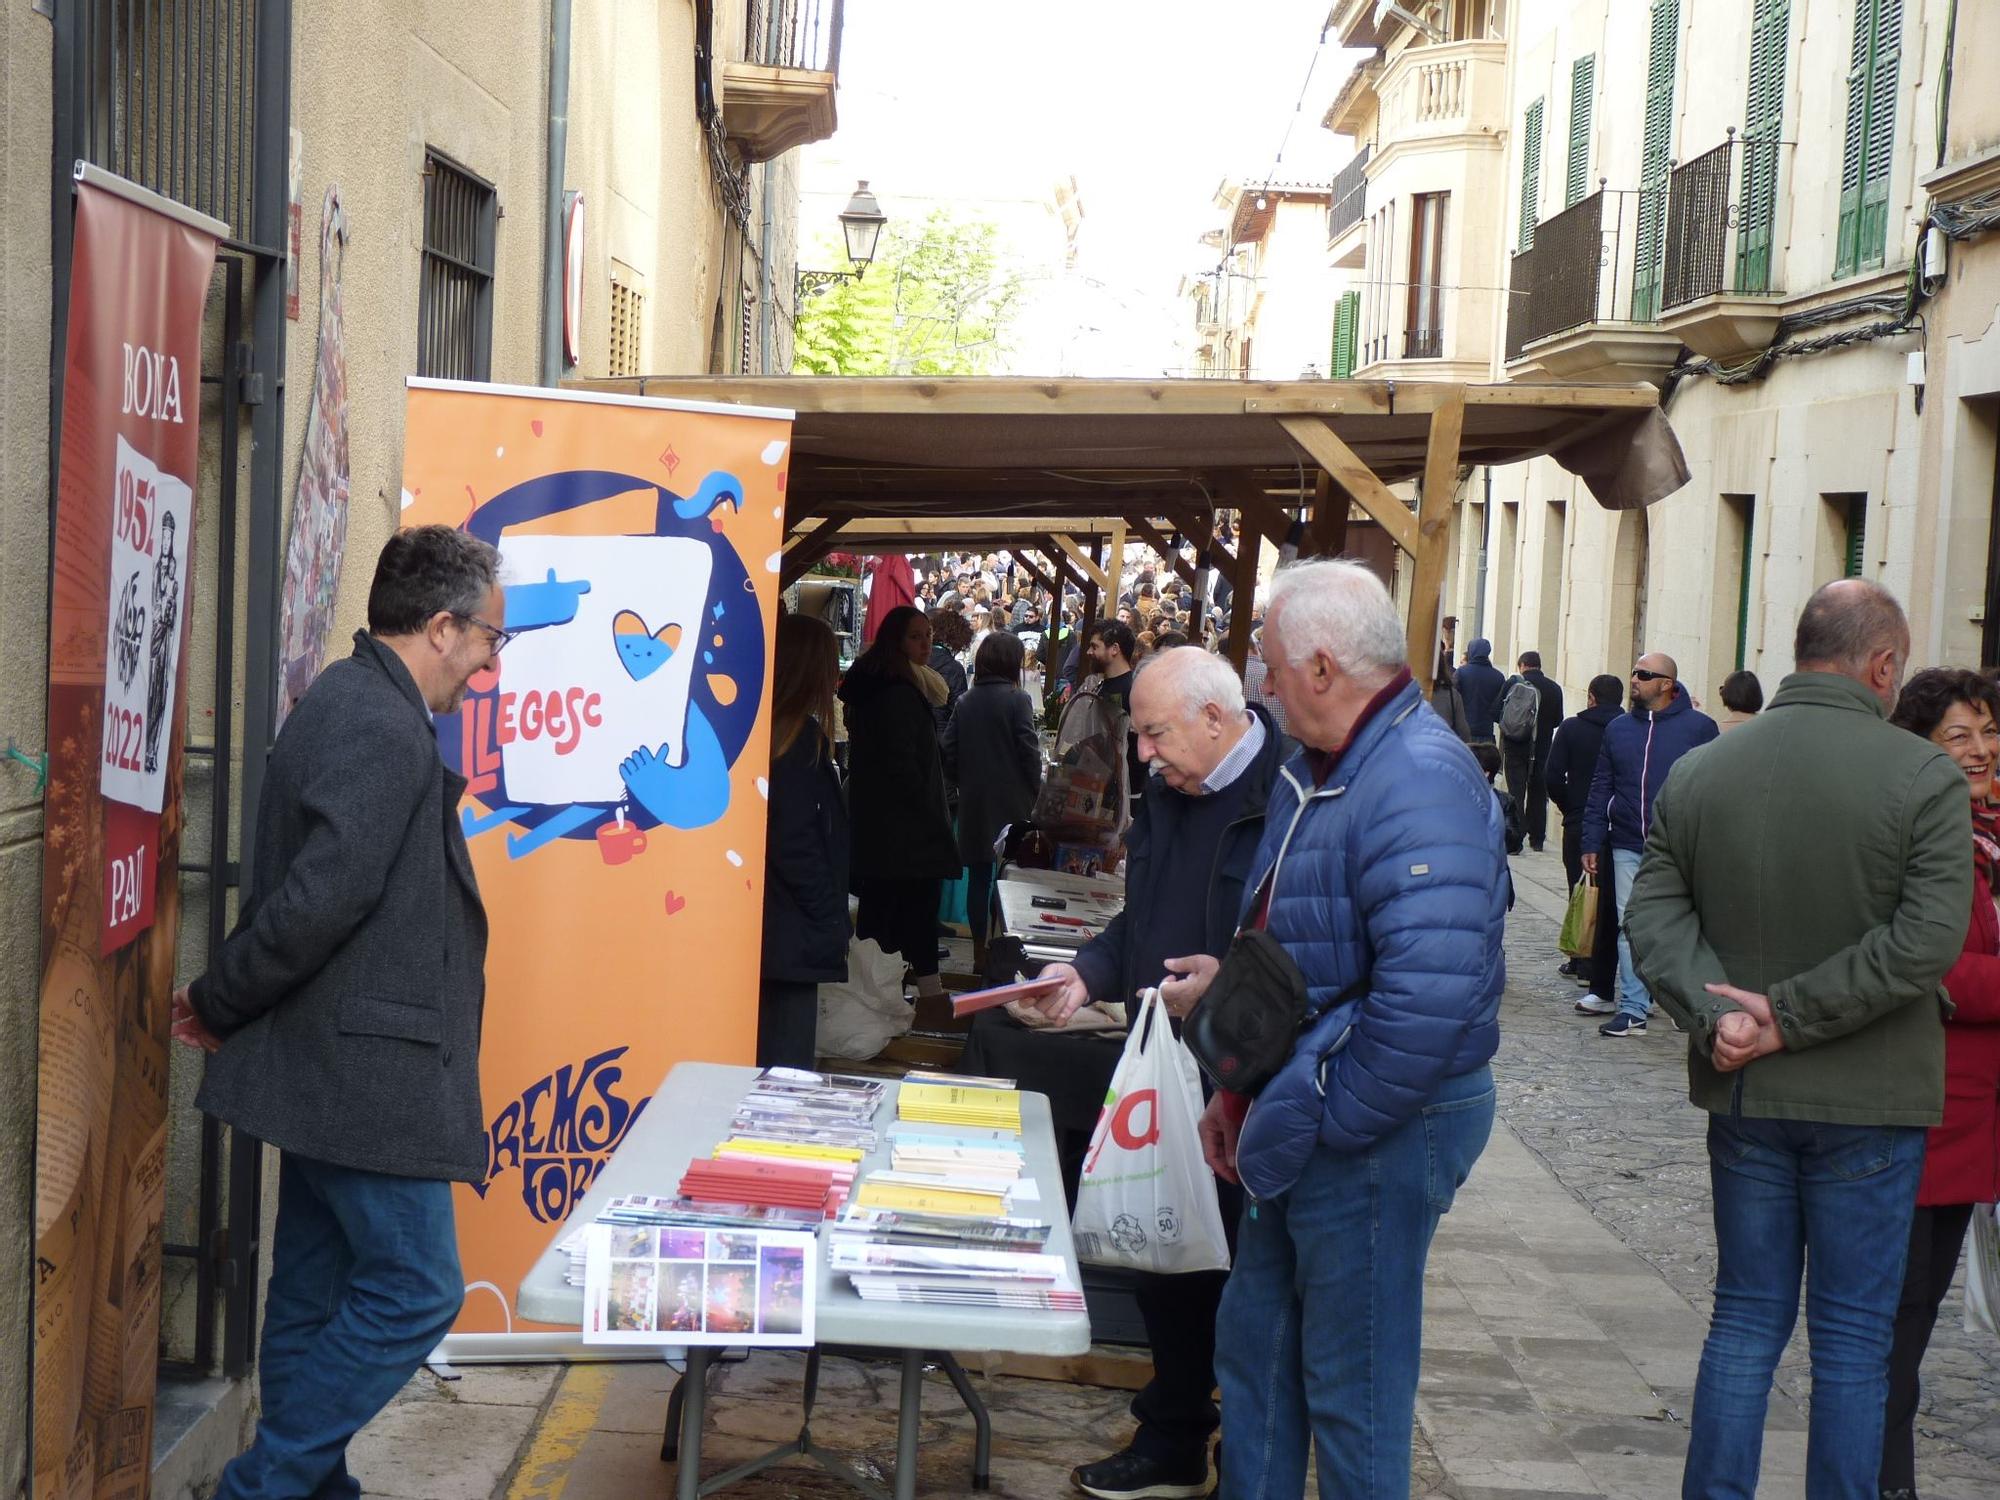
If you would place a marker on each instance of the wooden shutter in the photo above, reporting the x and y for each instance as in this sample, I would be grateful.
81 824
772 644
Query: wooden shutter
1531 174
1662 59
1346 317
1743 580
1582 91
1764 114
1857 534
1872 73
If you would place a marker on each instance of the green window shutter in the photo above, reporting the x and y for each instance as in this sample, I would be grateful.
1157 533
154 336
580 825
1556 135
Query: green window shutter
1531 174
1662 59
1346 317
1857 533
1873 66
1582 92
1743 582
1764 114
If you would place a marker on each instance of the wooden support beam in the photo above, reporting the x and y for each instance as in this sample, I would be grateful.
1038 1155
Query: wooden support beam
1021 561
1434 537
1329 523
1091 593
1082 560
1258 509
1360 481
810 548
1158 540
1059 563
1242 601
1114 565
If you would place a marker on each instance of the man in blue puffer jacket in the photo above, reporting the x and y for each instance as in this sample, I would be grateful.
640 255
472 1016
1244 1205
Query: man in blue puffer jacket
1639 749
1382 875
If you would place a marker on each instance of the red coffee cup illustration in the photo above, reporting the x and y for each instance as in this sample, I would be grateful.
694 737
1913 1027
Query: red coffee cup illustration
619 841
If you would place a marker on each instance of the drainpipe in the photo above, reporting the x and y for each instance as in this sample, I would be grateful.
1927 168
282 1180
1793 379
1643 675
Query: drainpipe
553 237
766 329
1485 539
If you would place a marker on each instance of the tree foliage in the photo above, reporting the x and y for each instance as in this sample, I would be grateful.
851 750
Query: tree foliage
936 301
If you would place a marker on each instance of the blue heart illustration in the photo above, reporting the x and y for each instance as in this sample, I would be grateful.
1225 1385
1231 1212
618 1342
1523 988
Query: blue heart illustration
642 650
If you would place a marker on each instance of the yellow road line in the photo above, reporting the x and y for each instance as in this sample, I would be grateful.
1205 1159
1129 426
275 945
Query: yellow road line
571 1417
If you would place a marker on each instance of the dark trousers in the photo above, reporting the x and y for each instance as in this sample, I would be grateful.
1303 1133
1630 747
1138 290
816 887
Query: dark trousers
787 1023
902 916
979 901
1176 1410
1572 849
1524 781
1936 1236
1604 956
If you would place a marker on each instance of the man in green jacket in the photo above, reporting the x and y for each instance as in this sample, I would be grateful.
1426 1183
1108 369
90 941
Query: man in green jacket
1804 888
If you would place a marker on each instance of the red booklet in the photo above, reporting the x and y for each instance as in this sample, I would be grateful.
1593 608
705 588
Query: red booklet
1027 989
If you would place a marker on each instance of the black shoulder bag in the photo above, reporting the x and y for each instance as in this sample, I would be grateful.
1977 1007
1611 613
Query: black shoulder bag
1243 1029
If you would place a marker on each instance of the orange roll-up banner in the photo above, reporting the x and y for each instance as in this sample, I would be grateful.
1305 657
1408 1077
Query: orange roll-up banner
616 764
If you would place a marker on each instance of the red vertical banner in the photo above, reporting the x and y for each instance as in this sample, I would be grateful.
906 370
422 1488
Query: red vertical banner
119 608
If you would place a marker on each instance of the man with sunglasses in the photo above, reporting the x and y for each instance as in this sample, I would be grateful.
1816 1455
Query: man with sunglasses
342 1016
1639 749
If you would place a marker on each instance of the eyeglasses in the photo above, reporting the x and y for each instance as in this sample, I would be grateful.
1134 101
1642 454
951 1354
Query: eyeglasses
500 637
1640 674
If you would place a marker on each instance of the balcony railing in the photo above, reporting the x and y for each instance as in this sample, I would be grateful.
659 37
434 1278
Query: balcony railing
796 34
1451 88
1423 343
1721 210
1350 197
1374 348
1579 272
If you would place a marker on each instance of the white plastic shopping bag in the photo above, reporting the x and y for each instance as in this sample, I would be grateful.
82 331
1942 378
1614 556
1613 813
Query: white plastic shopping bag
1982 1273
1147 1199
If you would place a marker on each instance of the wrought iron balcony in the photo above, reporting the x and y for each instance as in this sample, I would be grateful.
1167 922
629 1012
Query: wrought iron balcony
1423 343
1350 197
1579 302
1719 290
784 96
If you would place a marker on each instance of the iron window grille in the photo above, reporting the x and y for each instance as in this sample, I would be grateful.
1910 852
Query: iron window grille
455 297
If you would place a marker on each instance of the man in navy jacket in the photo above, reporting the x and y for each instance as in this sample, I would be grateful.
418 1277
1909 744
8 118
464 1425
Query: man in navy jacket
1215 758
1479 686
1632 764
1382 877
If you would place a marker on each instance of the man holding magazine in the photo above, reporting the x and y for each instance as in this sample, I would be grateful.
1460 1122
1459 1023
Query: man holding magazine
1186 857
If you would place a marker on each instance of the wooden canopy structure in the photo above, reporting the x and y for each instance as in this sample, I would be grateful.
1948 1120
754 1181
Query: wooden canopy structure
1068 470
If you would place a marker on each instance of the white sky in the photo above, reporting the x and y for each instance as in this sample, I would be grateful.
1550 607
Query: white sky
1148 103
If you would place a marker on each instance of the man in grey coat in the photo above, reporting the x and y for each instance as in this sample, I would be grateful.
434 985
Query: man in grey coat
343 1015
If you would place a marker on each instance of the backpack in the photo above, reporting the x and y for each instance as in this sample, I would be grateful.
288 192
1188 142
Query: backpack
1519 709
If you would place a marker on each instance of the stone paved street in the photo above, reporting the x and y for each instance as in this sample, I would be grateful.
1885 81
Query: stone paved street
1567 1301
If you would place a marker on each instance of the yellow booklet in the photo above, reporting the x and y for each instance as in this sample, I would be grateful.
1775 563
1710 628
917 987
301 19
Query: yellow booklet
929 1200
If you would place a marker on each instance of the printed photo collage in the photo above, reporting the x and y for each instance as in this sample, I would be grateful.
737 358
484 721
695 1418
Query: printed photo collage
675 1285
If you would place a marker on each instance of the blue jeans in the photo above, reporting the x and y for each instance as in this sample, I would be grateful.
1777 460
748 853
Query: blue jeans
1633 1000
364 1282
1321 1325
1789 1193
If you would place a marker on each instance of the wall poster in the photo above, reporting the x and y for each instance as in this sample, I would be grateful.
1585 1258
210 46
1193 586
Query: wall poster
119 614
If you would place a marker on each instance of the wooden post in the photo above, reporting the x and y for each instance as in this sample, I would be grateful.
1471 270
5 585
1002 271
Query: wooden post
1329 525
1360 481
1158 540
1434 534
1090 591
1243 601
1114 568
808 548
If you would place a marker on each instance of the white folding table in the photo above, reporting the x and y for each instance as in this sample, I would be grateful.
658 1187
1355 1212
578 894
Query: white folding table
688 1115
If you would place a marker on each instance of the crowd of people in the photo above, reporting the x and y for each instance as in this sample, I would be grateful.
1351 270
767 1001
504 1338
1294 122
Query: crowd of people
1807 888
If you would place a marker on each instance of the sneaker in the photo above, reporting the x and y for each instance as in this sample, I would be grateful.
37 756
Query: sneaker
1132 1475
1595 1005
1623 1026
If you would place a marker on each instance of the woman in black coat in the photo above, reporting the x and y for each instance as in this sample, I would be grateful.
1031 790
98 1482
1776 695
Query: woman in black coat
903 850
805 847
994 757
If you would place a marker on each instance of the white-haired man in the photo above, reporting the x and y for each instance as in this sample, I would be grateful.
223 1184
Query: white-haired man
1214 760
1381 874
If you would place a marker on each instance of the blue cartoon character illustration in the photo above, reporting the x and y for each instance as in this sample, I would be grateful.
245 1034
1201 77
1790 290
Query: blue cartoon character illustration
635 673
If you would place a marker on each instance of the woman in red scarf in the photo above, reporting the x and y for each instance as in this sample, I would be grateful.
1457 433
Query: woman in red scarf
1959 711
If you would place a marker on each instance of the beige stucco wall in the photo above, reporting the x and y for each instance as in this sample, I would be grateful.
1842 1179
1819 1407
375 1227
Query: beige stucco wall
25 289
1571 582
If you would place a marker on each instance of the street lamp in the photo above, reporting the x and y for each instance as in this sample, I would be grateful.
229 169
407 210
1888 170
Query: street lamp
861 225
